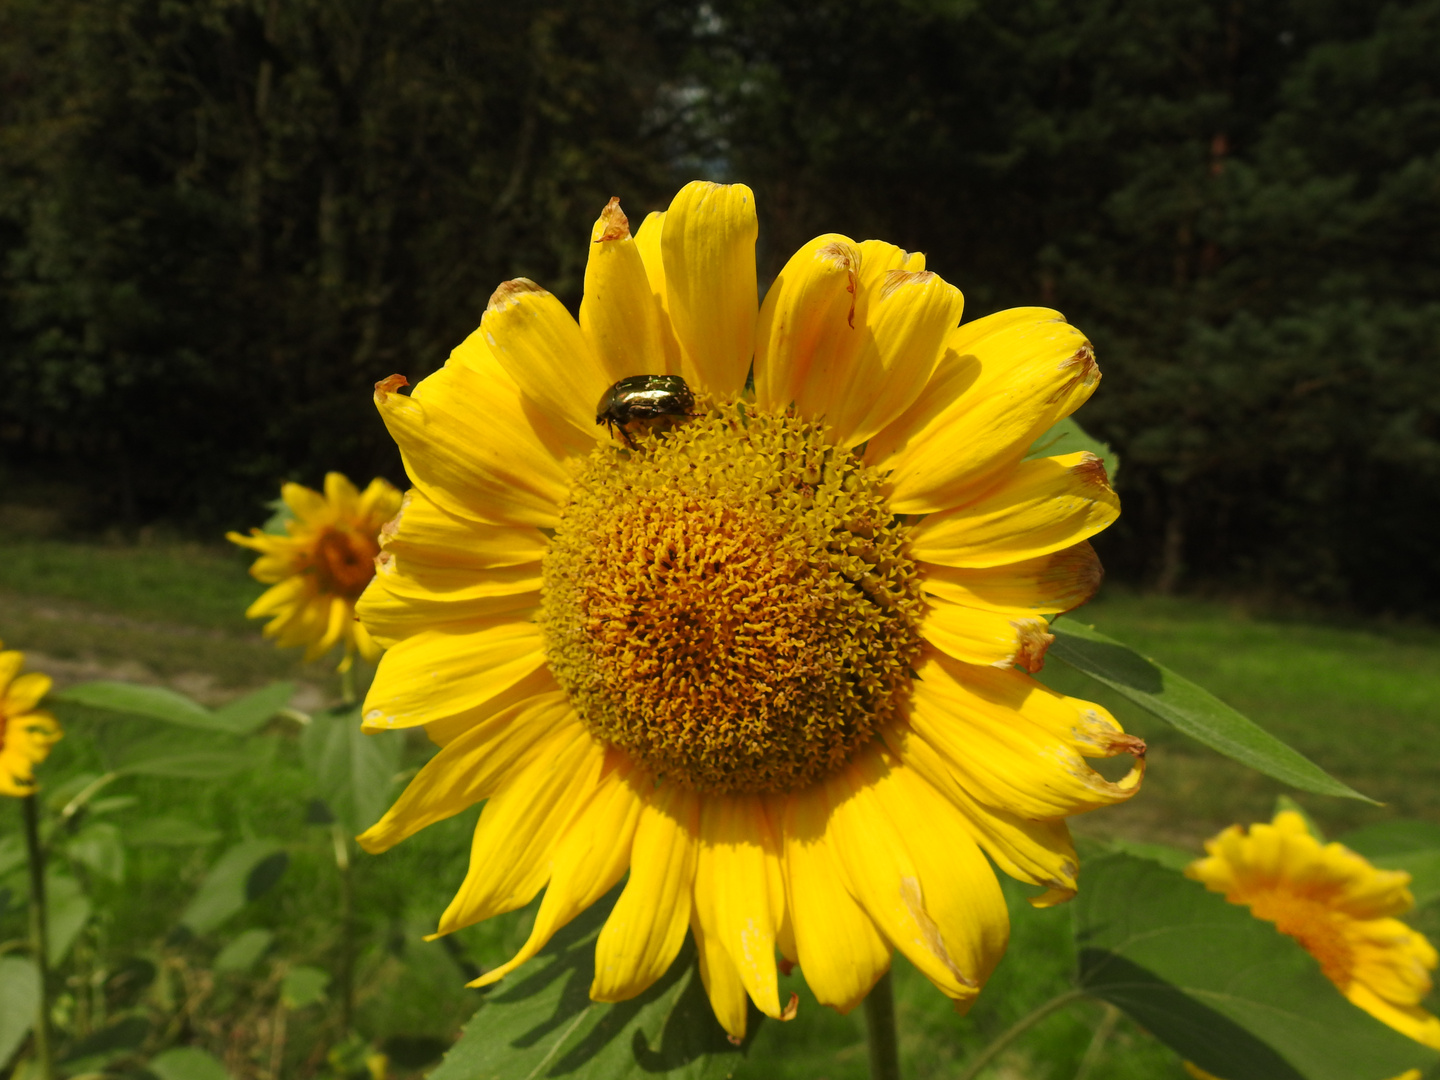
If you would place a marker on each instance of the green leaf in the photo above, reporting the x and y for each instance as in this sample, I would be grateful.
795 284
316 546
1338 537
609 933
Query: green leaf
248 714
12 853
241 954
303 986
1172 857
1068 437
228 886
1220 987
187 759
1413 846
540 1022
353 772
19 1003
187 1063
98 846
155 702
1189 708
169 832
68 910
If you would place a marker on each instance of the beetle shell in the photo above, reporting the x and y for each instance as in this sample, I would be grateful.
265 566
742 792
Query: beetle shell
643 397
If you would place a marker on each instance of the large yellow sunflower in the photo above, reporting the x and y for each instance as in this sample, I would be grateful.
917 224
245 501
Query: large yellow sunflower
766 659
321 565
1338 906
26 733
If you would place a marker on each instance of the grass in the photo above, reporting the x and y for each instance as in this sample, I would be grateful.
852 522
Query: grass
1362 701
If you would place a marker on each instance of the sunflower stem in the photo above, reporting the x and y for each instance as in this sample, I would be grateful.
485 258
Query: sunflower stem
345 973
1024 1024
1097 1043
347 682
880 1030
39 937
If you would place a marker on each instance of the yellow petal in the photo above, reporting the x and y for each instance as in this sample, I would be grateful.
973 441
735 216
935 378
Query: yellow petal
841 953
720 979
647 925
24 693
907 317
337 613
468 444
390 617
1004 380
620 314
540 346
471 767
424 533
521 825
909 860
343 496
587 862
11 662
444 731
807 332
977 636
1018 745
708 247
433 675
1043 506
1047 585
1412 1020
307 504
285 596
739 857
1038 852
380 501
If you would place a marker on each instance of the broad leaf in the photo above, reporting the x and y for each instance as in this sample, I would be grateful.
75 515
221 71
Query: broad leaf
251 712
98 847
187 1063
353 772
68 910
1189 708
211 758
1068 437
12 853
303 986
540 1022
231 883
155 702
1413 846
1222 988
19 1003
241 954
169 832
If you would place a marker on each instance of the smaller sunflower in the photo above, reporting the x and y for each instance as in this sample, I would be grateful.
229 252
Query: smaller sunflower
26 733
1336 905
321 564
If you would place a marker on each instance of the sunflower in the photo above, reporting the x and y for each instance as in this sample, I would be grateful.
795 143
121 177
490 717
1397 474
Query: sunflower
321 564
26 733
767 659
1336 905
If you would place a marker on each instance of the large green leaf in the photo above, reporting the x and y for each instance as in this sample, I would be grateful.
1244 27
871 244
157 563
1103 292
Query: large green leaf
180 756
1413 846
540 1022
155 702
1224 989
353 771
68 910
240 875
19 1003
98 846
249 713
1189 708
187 1063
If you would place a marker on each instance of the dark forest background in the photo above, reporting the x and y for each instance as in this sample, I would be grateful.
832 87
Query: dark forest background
222 220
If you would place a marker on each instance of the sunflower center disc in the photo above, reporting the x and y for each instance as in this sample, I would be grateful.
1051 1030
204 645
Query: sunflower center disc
733 602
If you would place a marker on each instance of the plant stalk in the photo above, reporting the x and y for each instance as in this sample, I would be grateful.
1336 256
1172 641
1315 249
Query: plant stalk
1097 1043
345 969
1024 1024
347 682
39 937
880 1030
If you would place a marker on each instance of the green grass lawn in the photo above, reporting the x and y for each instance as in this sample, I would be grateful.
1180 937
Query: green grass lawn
1362 701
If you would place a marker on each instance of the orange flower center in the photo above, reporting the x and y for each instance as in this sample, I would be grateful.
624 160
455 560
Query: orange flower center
732 602
1317 927
344 562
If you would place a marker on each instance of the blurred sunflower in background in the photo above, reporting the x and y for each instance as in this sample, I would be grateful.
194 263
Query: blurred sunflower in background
26 732
320 565
764 647
1338 906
